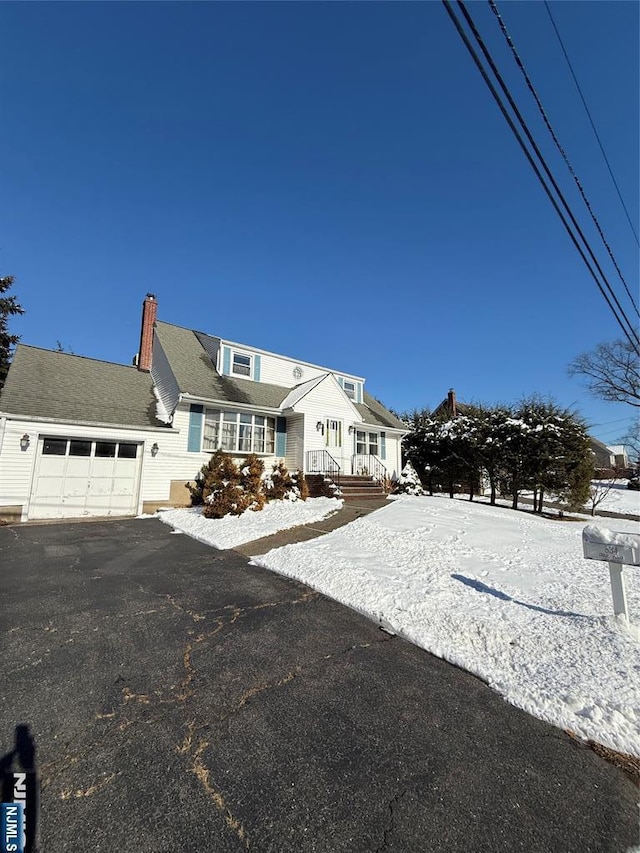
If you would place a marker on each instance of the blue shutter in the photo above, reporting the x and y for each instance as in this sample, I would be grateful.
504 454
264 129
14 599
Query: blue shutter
383 445
256 368
226 361
358 392
340 381
281 436
196 416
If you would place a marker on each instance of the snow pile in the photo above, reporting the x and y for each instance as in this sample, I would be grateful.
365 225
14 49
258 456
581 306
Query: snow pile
234 530
505 595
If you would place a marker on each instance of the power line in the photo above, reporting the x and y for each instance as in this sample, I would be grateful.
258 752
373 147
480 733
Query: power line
448 7
543 113
575 80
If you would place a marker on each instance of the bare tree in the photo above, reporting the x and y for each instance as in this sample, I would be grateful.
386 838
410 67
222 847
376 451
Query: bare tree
601 488
612 371
632 440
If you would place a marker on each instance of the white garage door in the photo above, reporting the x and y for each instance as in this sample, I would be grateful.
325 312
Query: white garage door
78 477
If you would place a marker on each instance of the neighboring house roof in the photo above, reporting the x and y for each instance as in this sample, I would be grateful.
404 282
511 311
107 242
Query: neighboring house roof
46 384
603 455
451 406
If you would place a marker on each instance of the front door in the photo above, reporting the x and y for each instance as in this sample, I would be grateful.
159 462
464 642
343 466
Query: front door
334 441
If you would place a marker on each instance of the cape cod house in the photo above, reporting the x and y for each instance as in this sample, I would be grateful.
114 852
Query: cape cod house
80 437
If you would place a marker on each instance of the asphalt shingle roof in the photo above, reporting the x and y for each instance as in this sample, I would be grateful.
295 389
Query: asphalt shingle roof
190 356
47 384
375 413
196 375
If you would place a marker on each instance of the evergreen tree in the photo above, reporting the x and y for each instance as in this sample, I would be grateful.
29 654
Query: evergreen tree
9 307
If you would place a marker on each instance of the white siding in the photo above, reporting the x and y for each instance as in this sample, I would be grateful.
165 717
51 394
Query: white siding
163 378
278 370
325 401
17 466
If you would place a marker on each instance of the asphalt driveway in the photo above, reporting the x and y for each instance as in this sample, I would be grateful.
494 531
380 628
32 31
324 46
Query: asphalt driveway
182 700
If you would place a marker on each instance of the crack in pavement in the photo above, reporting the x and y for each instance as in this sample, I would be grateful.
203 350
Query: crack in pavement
203 775
388 830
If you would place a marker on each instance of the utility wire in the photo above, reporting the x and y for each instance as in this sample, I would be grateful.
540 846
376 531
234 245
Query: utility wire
575 80
520 65
540 156
448 7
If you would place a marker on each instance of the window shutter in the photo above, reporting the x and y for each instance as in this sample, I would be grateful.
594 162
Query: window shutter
340 381
383 445
339 433
194 440
326 432
281 437
226 361
358 392
256 368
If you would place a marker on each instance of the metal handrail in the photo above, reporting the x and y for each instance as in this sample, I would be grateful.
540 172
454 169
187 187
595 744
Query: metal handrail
322 462
367 463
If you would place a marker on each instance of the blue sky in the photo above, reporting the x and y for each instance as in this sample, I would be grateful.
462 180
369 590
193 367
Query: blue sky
327 180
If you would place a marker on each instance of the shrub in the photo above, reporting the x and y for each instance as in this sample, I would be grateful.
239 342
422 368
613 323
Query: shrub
408 483
280 484
222 488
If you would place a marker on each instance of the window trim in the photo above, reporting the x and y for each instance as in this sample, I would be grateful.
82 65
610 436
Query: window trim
247 355
353 388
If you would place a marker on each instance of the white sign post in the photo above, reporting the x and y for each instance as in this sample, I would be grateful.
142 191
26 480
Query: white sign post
618 549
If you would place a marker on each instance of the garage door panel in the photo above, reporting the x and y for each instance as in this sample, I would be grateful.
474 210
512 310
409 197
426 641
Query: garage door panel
80 477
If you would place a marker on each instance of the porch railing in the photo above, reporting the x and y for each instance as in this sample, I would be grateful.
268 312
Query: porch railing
322 462
371 466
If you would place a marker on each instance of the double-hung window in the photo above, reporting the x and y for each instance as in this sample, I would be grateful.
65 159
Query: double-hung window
241 364
349 389
373 443
361 443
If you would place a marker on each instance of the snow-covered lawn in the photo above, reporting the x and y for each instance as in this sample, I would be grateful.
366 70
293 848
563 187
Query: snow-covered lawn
620 499
234 530
503 594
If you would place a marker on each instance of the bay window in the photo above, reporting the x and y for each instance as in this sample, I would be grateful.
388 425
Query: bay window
238 432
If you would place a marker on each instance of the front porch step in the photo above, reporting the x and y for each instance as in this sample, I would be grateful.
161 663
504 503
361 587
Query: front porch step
353 487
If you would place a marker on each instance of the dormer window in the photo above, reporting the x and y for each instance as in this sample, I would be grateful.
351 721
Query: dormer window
349 389
241 364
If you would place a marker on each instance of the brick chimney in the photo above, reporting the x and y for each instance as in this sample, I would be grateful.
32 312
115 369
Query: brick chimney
145 353
451 403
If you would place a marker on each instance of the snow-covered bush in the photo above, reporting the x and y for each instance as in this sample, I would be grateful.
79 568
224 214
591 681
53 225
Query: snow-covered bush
408 483
224 488
281 484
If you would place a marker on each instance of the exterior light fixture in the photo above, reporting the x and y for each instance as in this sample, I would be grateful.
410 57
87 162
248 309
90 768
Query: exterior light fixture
320 427
24 442
154 449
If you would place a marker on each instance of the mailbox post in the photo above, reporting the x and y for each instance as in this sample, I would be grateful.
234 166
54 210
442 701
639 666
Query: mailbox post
618 549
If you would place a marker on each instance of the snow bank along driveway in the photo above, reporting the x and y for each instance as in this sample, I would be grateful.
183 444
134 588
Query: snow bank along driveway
506 595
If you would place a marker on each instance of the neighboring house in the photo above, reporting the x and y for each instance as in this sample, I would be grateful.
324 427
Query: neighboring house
620 456
603 457
450 407
80 437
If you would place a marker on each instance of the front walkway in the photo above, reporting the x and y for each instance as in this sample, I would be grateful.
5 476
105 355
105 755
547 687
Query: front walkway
349 512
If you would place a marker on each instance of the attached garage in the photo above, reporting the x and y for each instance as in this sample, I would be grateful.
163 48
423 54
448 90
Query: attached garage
76 477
